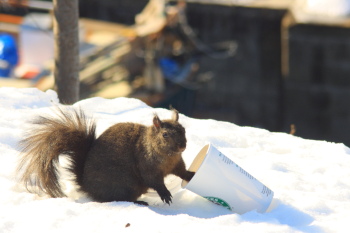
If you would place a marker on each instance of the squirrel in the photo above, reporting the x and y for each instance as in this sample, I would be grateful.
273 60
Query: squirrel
120 165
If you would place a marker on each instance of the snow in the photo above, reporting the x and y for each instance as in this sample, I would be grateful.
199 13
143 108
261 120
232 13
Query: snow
332 8
322 8
310 178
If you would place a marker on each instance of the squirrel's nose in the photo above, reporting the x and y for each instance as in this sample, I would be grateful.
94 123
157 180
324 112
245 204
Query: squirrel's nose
182 146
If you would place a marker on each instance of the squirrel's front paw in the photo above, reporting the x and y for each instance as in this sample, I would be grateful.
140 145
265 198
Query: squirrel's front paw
189 175
165 195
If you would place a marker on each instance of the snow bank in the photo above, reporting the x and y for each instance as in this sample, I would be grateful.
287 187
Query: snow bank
310 178
332 8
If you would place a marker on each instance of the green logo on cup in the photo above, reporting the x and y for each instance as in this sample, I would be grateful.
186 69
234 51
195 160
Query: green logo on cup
219 201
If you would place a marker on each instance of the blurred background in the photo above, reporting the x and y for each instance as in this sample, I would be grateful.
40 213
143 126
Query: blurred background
281 65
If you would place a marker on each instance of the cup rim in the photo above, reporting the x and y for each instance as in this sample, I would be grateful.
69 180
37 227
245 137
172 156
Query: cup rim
197 162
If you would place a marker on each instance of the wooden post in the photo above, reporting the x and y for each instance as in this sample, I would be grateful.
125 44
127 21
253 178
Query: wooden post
66 30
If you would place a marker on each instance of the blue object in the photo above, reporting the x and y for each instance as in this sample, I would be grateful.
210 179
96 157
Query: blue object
175 72
169 67
8 54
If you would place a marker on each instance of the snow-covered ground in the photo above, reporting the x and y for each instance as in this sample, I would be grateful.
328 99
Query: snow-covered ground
310 179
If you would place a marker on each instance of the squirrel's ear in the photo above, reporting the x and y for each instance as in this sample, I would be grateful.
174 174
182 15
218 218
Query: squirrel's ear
156 121
175 116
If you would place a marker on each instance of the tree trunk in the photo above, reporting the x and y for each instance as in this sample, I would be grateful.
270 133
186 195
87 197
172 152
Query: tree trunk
66 28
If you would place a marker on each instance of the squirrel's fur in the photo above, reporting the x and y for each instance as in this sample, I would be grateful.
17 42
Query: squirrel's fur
119 165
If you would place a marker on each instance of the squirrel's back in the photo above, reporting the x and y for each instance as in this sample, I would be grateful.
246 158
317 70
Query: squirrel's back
112 163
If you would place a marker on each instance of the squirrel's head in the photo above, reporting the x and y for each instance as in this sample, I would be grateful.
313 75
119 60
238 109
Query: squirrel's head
169 135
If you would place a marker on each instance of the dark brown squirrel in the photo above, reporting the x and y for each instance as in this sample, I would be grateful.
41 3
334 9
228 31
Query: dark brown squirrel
120 165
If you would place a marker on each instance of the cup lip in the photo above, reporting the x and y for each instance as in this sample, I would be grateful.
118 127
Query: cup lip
207 148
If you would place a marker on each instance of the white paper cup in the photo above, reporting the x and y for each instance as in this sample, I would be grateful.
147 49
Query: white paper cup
223 182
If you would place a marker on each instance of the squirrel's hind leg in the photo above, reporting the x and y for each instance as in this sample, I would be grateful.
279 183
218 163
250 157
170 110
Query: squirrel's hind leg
142 203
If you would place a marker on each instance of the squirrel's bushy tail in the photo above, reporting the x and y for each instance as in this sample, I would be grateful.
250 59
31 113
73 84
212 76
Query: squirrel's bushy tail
71 133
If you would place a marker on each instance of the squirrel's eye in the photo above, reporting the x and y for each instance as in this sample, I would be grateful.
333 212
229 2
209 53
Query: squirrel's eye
165 135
